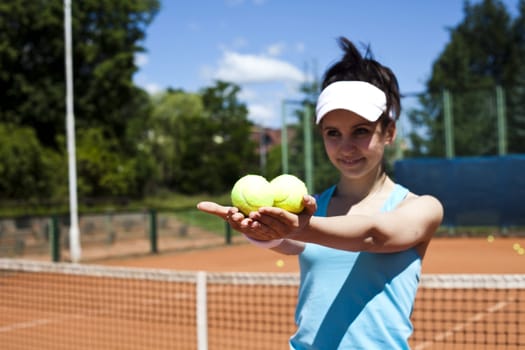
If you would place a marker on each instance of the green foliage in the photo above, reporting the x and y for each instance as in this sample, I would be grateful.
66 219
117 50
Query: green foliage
486 50
27 169
201 142
226 152
173 114
106 36
102 170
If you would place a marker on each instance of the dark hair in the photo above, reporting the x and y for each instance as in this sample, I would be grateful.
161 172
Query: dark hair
354 66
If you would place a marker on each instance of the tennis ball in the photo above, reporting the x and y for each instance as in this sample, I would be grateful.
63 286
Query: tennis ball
251 192
279 263
288 192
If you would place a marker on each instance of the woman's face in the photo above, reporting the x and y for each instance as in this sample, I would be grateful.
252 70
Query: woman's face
354 145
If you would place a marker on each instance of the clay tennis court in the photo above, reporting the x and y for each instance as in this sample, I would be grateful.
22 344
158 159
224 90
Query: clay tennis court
444 255
93 312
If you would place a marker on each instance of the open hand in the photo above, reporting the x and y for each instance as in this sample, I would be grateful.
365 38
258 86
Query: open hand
265 224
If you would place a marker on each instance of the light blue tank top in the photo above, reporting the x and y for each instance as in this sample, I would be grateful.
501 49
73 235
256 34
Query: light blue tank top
355 300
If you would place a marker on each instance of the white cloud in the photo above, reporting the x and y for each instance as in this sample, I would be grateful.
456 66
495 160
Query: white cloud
141 59
276 49
152 88
248 94
242 69
262 114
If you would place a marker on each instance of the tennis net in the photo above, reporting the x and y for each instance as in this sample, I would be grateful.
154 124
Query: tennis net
74 306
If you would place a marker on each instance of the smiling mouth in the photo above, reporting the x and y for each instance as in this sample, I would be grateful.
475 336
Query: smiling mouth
350 162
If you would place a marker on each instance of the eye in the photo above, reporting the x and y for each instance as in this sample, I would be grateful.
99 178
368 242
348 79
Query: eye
360 131
331 133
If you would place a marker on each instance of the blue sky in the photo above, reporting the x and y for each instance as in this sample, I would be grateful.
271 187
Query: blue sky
269 47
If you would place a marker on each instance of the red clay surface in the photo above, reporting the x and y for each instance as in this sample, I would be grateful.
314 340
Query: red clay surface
51 311
444 255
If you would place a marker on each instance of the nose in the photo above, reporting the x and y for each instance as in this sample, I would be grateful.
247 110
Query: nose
347 145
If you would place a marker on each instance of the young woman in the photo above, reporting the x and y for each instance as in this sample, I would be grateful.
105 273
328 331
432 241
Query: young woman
362 241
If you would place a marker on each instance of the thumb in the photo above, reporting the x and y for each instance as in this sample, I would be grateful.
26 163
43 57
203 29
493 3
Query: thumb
310 205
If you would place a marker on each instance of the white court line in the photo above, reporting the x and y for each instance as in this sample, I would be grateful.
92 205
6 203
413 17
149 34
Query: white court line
35 323
91 313
460 326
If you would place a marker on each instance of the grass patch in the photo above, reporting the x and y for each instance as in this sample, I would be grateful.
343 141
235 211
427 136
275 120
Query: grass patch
166 202
194 217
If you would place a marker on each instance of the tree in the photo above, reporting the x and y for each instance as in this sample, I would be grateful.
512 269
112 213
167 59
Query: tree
103 171
27 169
516 95
173 114
106 36
201 142
480 56
227 151
109 108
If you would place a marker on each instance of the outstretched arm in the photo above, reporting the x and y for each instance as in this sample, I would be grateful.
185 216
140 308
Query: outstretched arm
411 223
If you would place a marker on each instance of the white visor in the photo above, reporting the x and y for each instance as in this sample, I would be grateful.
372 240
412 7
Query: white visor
359 97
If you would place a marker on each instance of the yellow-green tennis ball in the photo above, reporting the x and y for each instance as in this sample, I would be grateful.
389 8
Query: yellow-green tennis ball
251 192
288 193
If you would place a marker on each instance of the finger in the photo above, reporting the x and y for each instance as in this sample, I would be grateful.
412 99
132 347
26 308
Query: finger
271 214
261 232
310 205
274 221
214 209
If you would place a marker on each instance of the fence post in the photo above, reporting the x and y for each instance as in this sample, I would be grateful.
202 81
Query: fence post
448 124
153 230
284 140
55 239
308 149
502 122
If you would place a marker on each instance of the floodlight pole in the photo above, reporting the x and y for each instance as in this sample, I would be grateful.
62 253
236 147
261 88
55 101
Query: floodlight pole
74 234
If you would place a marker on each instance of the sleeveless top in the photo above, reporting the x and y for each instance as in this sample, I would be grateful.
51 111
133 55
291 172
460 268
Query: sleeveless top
355 300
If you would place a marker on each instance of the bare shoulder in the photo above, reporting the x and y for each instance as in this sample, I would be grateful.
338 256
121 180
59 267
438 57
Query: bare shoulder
427 213
424 204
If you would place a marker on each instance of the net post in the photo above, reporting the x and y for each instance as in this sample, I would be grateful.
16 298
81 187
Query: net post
55 239
202 314
153 230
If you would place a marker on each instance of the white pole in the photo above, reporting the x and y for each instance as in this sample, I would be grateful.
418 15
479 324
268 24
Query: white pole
74 234
202 312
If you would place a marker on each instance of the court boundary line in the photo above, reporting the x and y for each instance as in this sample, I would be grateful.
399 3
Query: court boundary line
479 316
